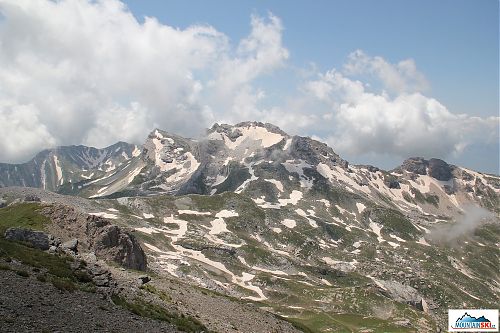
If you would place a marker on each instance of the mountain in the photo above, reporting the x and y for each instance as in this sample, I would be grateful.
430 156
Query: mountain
68 167
283 221
228 158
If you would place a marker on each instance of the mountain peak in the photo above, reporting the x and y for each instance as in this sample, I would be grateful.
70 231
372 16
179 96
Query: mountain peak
433 167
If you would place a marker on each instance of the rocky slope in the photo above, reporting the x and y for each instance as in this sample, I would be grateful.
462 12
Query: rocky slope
285 222
56 282
64 168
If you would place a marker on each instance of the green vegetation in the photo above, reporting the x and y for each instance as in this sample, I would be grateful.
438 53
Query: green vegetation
149 310
207 203
63 284
23 215
408 197
56 268
310 322
394 221
427 198
153 290
236 176
22 273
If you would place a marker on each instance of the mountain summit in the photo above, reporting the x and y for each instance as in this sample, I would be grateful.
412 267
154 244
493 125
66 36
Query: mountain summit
250 157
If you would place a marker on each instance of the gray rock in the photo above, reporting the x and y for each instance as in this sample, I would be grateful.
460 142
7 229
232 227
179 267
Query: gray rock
448 189
416 165
143 279
235 134
435 167
110 241
3 203
102 280
96 270
403 293
54 241
36 239
31 198
70 245
392 183
53 249
439 169
402 322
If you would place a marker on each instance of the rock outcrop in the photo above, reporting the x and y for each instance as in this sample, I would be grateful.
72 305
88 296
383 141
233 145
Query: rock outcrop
402 293
95 234
434 167
110 241
439 169
36 239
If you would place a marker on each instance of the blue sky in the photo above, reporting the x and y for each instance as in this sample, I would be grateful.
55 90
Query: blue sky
379 81
454 42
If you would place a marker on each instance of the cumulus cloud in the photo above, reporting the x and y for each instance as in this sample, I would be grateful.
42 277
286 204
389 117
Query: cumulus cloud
362 121
21 129
397 78
88 72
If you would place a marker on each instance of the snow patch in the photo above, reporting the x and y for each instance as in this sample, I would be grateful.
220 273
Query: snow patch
361 207
277 183
254 133
218 226
147 230
58 171
192 212
423 241
376 229
289 223
295 196
325 202
105 215
226 213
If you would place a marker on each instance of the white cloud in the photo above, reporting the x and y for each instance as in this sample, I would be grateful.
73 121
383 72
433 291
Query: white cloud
92 73
409 124
397 78
21 130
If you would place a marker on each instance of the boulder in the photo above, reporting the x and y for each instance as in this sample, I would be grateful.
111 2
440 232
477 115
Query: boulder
402 322
70 245
143 279
402 293
36 239
101 276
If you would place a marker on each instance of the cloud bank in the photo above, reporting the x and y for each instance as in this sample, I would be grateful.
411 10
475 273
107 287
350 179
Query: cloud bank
76 71
79 71
408 124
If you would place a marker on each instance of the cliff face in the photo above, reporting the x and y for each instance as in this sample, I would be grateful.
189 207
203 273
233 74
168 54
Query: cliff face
96 234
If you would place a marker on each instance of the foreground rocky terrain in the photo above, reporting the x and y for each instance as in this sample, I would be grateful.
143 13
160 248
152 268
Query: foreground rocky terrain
70 287
282 223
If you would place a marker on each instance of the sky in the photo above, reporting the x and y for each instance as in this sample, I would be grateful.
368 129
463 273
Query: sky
379 81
